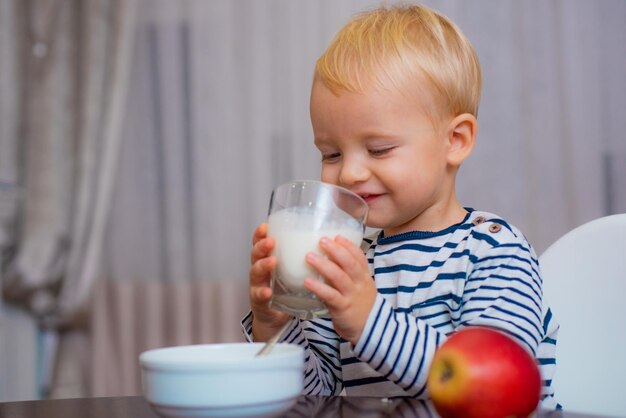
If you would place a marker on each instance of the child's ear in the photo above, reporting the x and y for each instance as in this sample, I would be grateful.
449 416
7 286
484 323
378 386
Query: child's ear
461 138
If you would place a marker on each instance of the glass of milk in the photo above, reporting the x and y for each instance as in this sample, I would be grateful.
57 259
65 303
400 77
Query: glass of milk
300 214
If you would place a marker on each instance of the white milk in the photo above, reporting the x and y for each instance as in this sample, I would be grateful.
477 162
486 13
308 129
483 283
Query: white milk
297 231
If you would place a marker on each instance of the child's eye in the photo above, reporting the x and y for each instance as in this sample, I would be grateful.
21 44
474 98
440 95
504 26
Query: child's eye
329 158
380 152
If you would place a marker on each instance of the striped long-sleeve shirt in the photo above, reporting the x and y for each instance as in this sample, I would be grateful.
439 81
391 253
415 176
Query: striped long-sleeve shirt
481 271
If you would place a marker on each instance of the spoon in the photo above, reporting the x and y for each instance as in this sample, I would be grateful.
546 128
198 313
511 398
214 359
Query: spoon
272 341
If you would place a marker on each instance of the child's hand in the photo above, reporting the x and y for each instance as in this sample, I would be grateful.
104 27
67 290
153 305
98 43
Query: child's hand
266 322
350 291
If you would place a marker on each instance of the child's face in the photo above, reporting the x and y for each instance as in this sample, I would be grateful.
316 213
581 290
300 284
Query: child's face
384 147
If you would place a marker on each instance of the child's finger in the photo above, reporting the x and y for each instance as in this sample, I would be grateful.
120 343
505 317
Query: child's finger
327 294
356 263
260 295
339 253
333 274
261 269
259 233
352 248
261 249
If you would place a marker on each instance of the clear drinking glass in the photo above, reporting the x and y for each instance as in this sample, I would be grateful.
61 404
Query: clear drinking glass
300 214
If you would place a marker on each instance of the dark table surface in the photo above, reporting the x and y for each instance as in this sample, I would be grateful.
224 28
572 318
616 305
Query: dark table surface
306 406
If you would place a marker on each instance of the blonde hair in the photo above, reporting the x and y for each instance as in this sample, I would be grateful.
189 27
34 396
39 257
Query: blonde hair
398 45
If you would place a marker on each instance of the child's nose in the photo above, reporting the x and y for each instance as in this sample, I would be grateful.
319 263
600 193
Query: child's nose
353 171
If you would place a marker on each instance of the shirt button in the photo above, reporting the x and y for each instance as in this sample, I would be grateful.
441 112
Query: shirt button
493 228
478 220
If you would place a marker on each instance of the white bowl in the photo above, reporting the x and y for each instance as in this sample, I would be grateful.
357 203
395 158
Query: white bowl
222 379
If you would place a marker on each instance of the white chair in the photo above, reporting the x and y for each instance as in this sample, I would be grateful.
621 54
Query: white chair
584 276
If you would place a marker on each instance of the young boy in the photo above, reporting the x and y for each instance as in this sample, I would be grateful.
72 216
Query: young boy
393 107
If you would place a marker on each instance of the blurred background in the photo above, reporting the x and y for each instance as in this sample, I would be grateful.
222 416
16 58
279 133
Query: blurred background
140 140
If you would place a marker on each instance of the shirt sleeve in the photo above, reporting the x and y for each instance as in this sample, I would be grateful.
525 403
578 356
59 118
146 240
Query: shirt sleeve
502 290
399 346
322 373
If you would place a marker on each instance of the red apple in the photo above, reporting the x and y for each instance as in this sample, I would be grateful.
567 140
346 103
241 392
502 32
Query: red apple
480 372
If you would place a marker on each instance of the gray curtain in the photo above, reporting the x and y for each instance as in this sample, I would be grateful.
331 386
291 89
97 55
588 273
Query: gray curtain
66 75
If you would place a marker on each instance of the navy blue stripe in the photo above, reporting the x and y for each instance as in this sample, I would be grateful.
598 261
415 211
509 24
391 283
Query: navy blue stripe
544 361
506 267
318 388
415 247
293 338
393 337
327 375
534 278
247 317
423 234
325 360
433 304
521 247
466 312
532 336
369 337
433 315
507 278
448 245
505 256
324 343
484 237
437 300
421 391
442 324
408 267
326 337
316 328
501 292
380 340
453 244
424 346
318 325
312 381
505 288
523 318
411 357
532 262
364 381
546 320
350 360
423 248
422 285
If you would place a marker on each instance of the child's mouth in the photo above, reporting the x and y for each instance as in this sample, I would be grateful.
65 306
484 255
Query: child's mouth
369 197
